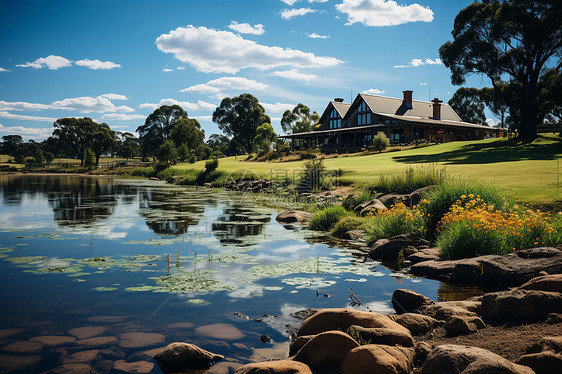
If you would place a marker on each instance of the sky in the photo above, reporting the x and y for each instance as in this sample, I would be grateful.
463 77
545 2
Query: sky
115 61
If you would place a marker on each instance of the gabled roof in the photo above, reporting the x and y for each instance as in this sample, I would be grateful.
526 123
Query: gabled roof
342 109
394 106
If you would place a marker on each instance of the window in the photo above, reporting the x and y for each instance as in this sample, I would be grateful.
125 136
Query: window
335 119
363 115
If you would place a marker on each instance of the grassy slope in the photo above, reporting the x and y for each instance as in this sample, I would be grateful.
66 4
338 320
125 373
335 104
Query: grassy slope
526 171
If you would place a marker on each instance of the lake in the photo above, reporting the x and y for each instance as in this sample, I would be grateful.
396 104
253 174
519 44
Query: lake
98 271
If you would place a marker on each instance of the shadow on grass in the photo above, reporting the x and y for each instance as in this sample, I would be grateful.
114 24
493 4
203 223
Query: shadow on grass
492 152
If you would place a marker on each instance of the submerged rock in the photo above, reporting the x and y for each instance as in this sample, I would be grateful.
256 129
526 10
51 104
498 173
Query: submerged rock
75 368
140 339
19 363
87 332
136 367
222 331
23 347
54 341
179 357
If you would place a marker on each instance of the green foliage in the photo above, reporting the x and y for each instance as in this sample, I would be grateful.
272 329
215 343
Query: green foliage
39 156
187 131
192 159
157 127
380 141
89 158
146 172
463 239
183 152
299 119
469 105
265 137
211 165
347 224
439 200
167 152
19 158
315 177
325 219
49 157
394 221
351 201
239 117
411 179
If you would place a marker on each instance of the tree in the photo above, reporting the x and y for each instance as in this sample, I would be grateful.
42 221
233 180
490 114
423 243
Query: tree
219 143
167 152
299 119
380 141
75 135
157 127
103 140
239 117
39 156
516 44
496 104
11 144
468 104
265 136
188 131
127 145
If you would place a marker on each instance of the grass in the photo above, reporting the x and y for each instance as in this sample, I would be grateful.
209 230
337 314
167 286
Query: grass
526 171
346 224
411 179
325 219
397 220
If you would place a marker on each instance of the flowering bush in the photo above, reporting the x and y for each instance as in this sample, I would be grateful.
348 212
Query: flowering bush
473 227
396 220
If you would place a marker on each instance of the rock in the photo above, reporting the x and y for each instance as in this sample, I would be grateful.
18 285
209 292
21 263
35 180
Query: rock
416 323
381 335
494 271
520 305
415 197
289 216
340 319
137 367
23 347
460 326
275 367
102 367
5 333
76 368
424 254
364 208
326 350
304 314
223 368
179 357
83 356
223 331
546 362
443 310
298 343
552 283
87 332
25 364
422 350
97 342
180 325
54 341
111 353
548 343
378 359
393 199
453 359
405 301
140 339
107 319
389 249
554 318
354 235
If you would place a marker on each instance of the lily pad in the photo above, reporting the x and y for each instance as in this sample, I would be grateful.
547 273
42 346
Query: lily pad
104 289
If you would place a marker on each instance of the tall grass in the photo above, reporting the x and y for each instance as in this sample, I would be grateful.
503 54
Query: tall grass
346 224
351 201
411 179
325 219
397 220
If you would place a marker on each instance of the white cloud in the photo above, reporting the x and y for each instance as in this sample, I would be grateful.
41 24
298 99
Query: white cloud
292 13
295 75
492 122
51 62
227 83
26 132
87 104
383 12
415 62
112 96
22 105
214 51
97 64
2 70
290 2
26 118
202 118
277 108
246 28
167 70
188 106
423 84
181 68
317 36
121 117
373 91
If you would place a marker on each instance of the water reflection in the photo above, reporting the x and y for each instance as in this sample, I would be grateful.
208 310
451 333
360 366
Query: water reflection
237 222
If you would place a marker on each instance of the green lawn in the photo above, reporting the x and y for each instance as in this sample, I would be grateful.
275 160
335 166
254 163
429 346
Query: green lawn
526 171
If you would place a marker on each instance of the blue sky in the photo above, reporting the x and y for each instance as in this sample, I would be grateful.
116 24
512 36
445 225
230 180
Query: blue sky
116 61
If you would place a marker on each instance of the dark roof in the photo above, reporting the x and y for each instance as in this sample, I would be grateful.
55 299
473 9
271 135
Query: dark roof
323 132
442 122
340 107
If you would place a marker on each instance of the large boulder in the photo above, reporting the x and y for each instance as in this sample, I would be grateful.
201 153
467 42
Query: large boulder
453 359
548 343
445 309
416 323
405 301
550 282
340 319
461 325
274 367
424 254
494 271
290 216
179 357
366 207
389 249
546 362
381 335
326 350
378 359
520 305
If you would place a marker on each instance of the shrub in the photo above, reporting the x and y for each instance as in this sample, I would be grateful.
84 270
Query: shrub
325 219
315 177
397 220
347 224
474 228
192 159
211 165
19 158
380 141
351 201
307 154
49 157
411 179
143 172
438 201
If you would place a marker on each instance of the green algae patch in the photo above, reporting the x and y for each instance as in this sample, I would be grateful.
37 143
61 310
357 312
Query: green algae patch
197 283
25 259
145 289
273 288
104 289
197 301
303 282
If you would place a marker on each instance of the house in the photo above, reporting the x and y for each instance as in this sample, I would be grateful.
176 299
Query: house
348 127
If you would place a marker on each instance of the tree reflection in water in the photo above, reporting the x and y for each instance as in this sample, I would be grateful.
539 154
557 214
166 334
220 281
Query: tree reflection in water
238 222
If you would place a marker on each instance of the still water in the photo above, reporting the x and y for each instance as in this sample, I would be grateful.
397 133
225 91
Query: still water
114 257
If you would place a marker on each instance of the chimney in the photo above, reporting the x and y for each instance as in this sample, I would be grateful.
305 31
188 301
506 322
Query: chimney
436 108
338 100
407 98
